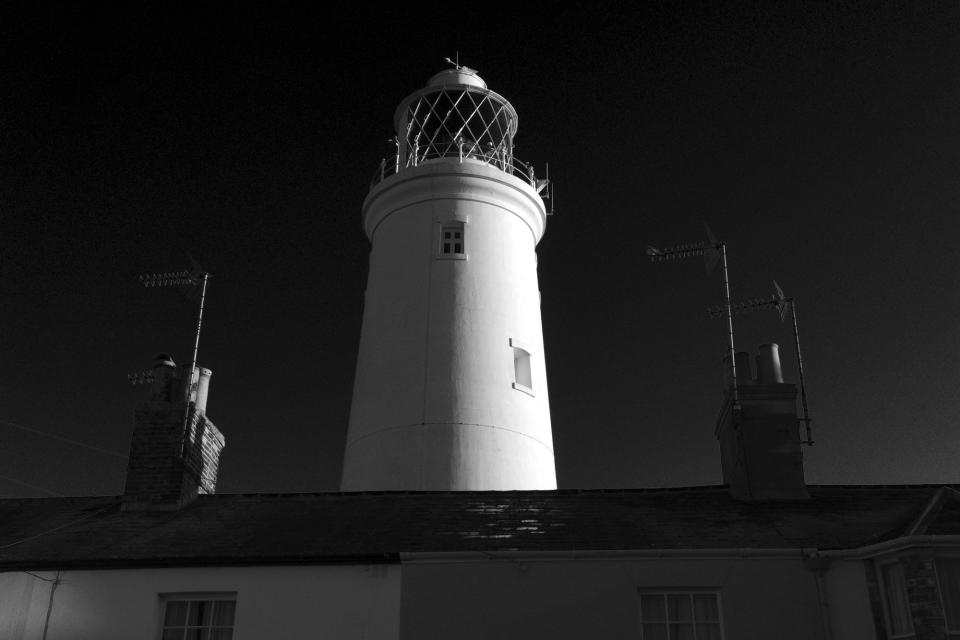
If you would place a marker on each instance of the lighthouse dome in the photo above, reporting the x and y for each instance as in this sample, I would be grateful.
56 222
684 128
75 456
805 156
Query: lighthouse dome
460 75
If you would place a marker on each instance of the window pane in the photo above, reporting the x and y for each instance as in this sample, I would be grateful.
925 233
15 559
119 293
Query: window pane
521 366
198 634
227 634
655 631
948 575
223 611
678 607
705 607
651 608
681 632
173 634
457 249
896 592
446 235
708 632
199 613
176 614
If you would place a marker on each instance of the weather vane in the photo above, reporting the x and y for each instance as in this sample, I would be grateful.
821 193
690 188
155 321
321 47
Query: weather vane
456 64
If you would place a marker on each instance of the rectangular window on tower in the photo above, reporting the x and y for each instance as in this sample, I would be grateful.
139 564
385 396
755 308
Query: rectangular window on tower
522 375
452 241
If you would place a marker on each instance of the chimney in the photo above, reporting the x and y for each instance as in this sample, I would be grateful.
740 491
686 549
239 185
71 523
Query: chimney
175 450
760 444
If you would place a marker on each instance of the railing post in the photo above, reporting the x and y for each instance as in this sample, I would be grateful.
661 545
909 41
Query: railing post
383 166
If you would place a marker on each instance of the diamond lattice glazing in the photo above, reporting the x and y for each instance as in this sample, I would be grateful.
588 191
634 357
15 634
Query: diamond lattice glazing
459 123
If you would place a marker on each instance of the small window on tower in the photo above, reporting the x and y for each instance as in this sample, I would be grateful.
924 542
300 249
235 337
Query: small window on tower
522 375
452 238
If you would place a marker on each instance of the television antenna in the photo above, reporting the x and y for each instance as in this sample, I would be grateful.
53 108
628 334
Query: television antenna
780 303
712 251
177 278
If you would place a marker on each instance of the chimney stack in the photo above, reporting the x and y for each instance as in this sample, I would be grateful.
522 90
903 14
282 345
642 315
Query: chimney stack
175 452
760 444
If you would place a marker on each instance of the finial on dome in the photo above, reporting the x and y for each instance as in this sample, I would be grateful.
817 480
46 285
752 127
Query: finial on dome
459 67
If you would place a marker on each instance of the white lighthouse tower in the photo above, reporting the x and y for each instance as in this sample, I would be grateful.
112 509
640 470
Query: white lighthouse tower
451 388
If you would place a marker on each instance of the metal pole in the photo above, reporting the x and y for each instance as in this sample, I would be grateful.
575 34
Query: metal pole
733 359
196 340
803 387
396 160
193 367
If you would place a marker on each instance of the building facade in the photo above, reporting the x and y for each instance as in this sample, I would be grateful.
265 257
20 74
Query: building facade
449 524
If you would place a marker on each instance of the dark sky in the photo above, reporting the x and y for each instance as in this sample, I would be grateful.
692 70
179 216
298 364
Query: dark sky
821 141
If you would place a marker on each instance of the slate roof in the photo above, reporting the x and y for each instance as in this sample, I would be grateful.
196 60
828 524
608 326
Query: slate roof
340 527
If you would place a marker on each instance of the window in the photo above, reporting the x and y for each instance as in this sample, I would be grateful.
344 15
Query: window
895 599
948 577
452 239
522 376
198 616
680 615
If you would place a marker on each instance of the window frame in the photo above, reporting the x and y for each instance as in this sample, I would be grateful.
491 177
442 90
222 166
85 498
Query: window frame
684 591
453 226
885 604
165 598
520 348
951 633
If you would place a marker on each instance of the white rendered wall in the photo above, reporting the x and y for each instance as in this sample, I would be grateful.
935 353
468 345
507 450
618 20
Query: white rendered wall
851 617
517 597
434 404
293 603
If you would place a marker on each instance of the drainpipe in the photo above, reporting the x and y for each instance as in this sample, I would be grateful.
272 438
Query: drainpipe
53 588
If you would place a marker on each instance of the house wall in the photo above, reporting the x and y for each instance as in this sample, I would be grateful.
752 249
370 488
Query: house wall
851 617
318 601
760 598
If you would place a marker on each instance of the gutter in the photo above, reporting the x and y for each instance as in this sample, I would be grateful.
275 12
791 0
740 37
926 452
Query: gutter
603 554
888 546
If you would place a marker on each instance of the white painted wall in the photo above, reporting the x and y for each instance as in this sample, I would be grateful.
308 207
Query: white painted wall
319 601
434 406
851 617
761 598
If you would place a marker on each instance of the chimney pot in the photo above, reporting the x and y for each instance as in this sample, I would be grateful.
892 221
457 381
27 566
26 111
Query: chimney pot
203 389
164 373
744 370
768 365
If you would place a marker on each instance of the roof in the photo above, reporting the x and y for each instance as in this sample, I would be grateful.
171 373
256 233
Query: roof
340 527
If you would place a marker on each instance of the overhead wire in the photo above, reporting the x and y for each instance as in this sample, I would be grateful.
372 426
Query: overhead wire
31 486
58 527
53 436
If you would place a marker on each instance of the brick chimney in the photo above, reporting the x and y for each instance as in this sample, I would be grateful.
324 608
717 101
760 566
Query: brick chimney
760 444
176 449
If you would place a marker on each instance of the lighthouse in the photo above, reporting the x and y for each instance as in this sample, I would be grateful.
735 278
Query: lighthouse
450 392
